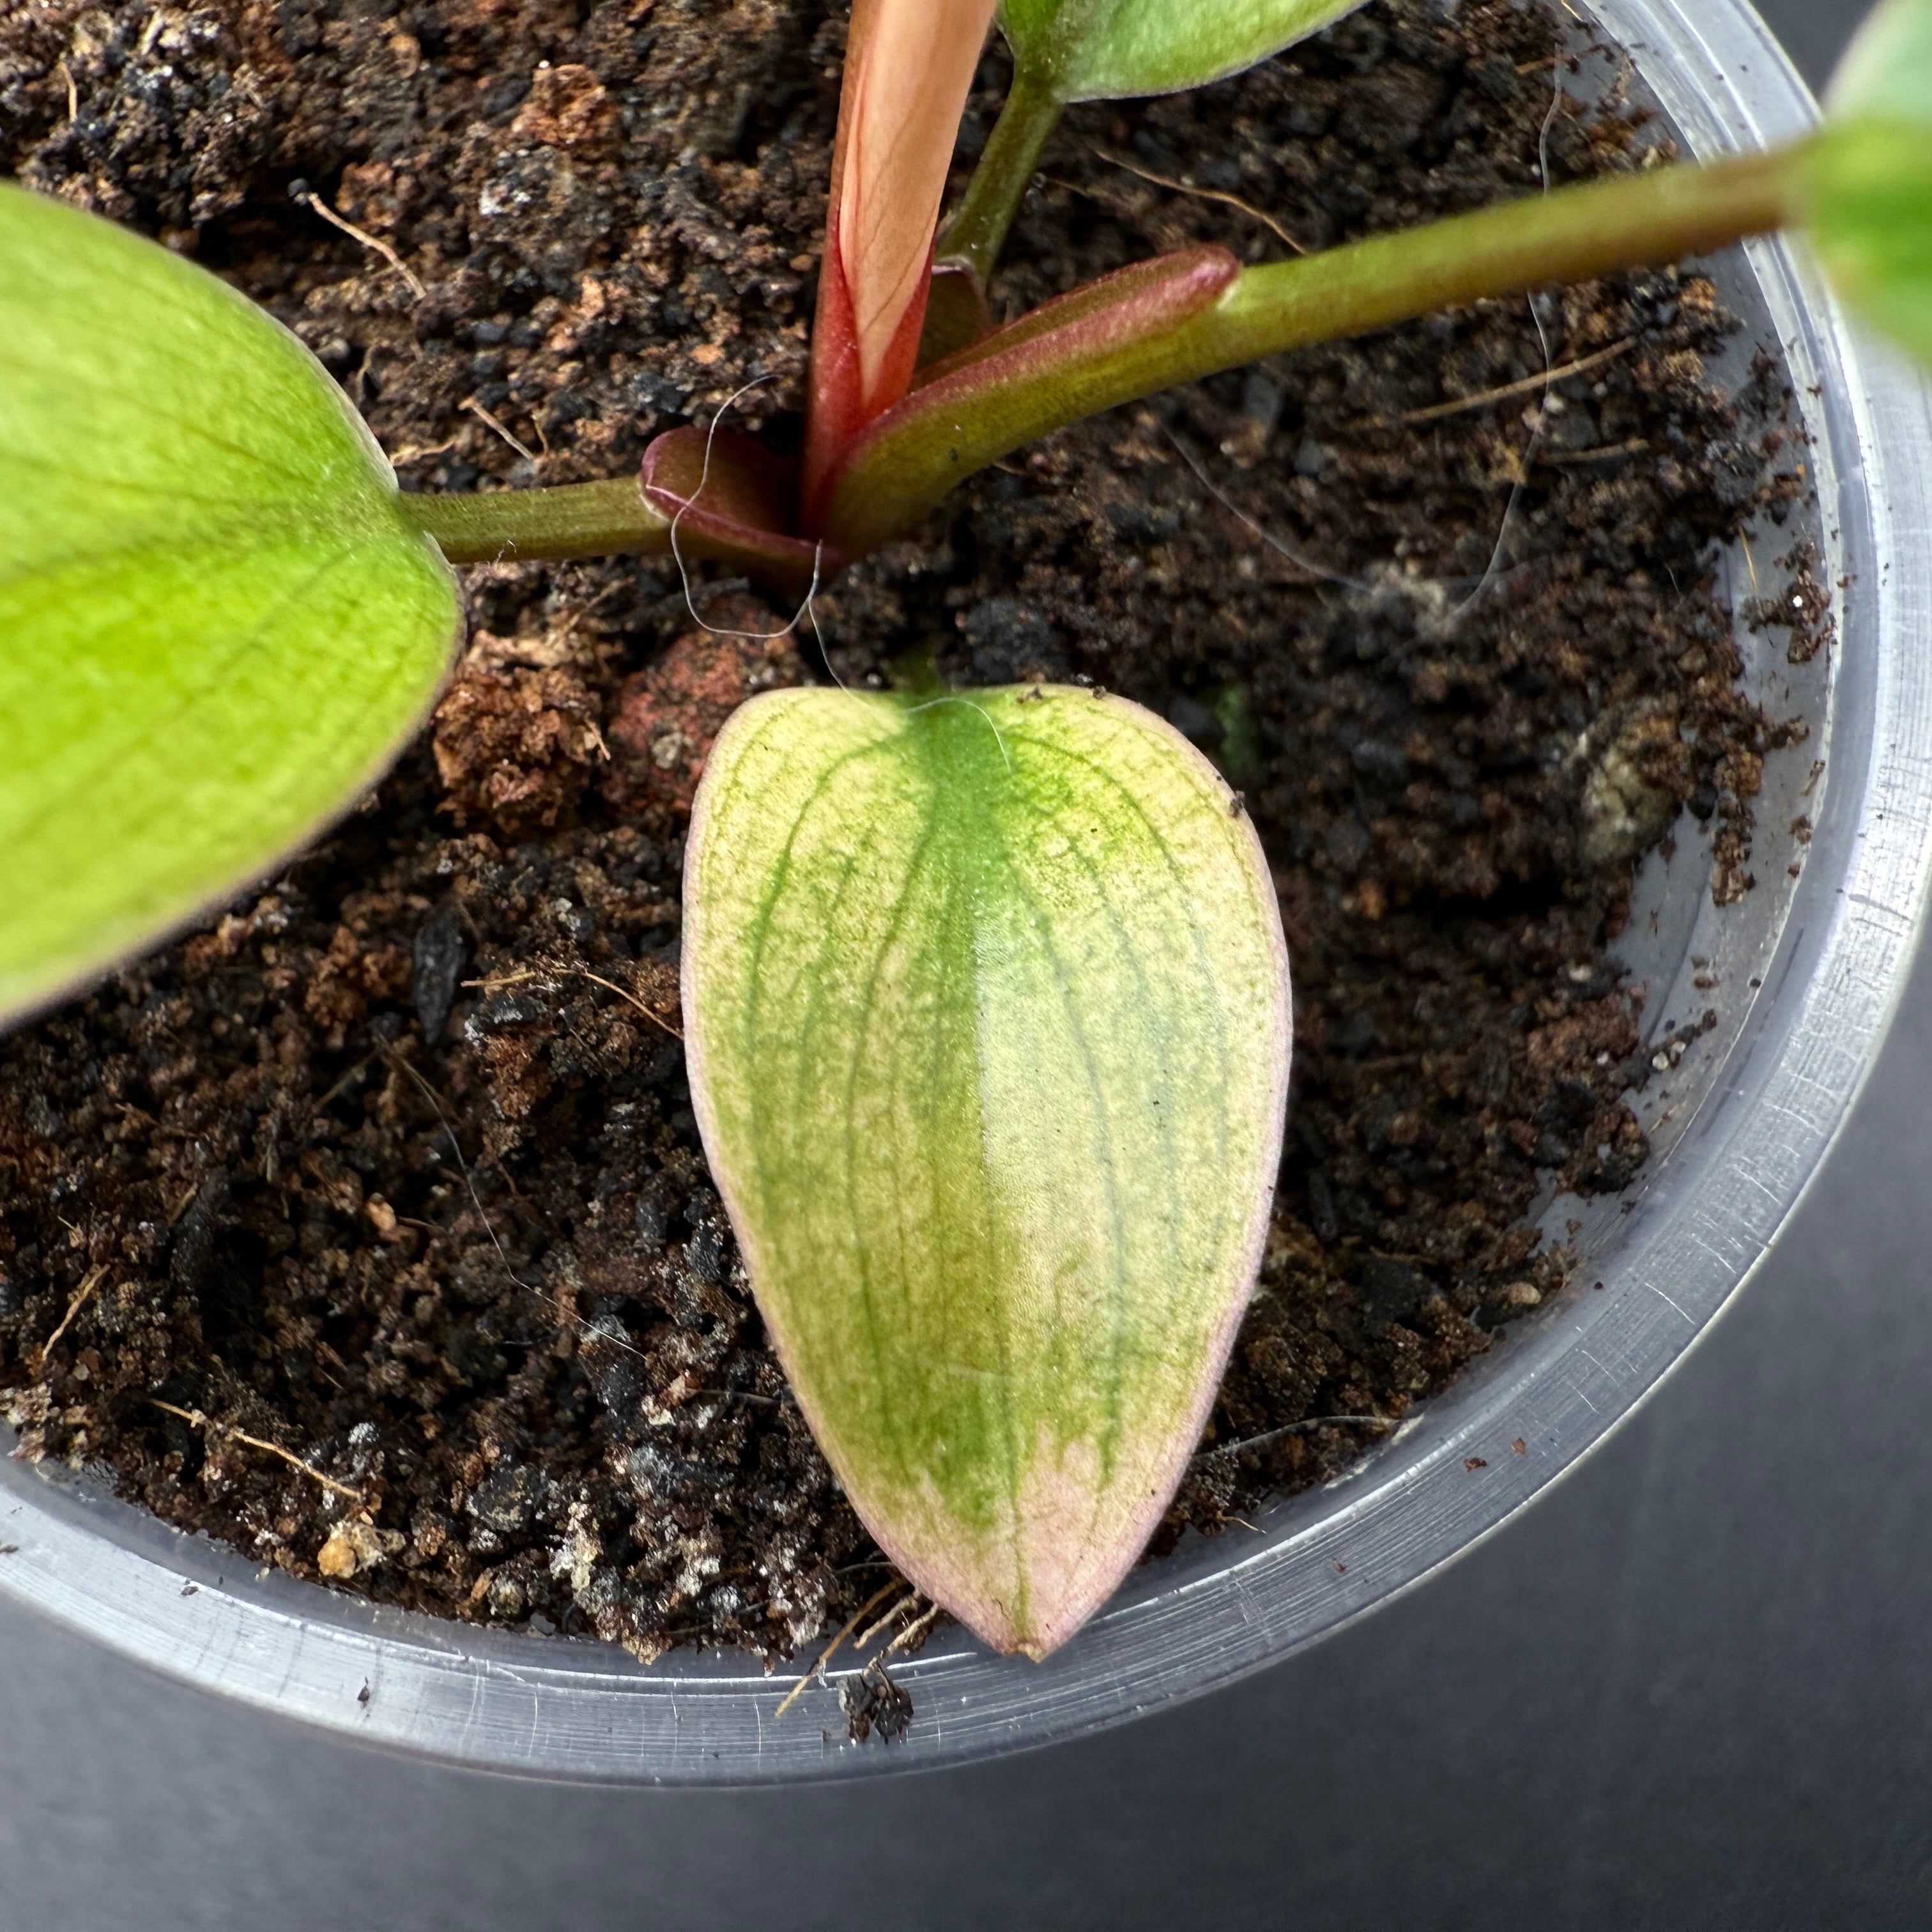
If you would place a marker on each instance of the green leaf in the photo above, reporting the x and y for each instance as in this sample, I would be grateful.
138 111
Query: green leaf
216 626
1100 49
1887 70
987 1019
1867 178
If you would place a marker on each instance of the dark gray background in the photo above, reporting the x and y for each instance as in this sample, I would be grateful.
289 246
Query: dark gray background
1692 1688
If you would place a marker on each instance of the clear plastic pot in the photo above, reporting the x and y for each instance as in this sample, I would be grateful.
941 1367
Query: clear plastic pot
1806 969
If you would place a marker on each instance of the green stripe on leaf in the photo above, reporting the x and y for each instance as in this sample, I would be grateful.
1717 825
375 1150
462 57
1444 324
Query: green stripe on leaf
986 1004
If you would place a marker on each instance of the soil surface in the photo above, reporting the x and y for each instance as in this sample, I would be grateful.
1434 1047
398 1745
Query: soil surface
391 1171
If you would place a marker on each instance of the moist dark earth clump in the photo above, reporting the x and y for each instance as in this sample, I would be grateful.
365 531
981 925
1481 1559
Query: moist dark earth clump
394 1166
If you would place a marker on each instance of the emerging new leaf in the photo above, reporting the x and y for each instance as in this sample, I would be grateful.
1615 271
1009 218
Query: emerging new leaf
908 65
1868 176
987 1018
1101 49
215 625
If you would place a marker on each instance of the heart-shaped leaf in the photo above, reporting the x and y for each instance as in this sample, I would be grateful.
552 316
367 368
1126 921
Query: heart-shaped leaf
1101 49
987 1018
1867 183
216 626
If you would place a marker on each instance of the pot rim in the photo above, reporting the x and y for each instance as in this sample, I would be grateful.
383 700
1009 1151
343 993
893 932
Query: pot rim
575 1709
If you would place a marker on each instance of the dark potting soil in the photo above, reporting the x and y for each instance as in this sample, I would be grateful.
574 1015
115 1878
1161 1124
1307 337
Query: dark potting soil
392 1169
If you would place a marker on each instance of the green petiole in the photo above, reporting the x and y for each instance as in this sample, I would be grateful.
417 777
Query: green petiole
572 519
977 231
960 420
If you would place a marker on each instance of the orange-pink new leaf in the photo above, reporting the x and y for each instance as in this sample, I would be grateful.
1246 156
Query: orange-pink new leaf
908 66
911 64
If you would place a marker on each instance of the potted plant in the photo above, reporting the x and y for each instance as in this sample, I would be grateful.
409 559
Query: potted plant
277 501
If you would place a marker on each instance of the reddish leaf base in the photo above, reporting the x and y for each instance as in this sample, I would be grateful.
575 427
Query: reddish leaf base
1100 345
733 502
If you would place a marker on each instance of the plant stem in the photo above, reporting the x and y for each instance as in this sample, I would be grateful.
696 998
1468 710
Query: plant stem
977 231
1657 216
962 420
574 520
